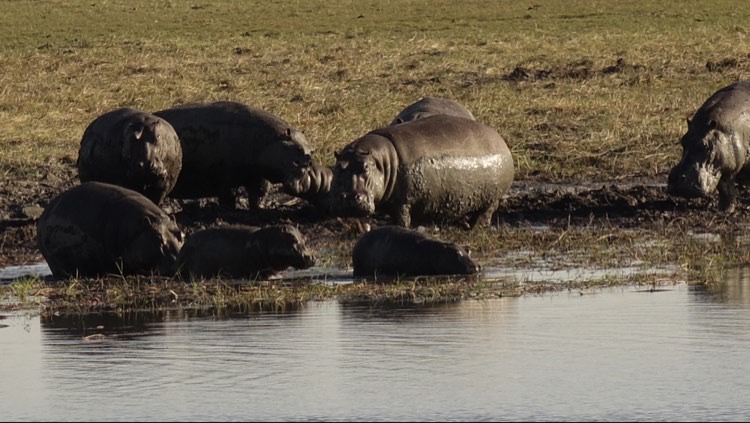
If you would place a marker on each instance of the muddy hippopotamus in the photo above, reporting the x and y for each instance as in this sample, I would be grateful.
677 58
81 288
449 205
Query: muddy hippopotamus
228 145
133 149
311 183
429 106
441 168
239 251
96 228
397 251
716 148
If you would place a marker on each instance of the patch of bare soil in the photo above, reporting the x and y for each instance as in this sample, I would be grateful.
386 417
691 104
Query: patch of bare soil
626 204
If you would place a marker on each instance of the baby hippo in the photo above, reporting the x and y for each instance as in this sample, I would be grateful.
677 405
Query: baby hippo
239 251
398 251
96 228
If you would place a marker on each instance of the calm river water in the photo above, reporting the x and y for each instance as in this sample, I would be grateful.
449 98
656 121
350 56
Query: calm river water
611 354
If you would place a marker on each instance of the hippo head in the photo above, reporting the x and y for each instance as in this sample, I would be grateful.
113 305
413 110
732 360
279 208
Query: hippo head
155 247
282 159
452 259
140 147
358 183
709 153
283 246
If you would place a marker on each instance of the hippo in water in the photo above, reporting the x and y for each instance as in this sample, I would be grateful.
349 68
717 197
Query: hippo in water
96 228
442 169
239 251
227 145
133 149
397 251
716 148
429 106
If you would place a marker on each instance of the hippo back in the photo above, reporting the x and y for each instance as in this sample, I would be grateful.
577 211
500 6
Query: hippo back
430 106
97 228
227 144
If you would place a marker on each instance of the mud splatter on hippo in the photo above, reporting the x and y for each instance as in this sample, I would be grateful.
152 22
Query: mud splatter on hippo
716 148
442 169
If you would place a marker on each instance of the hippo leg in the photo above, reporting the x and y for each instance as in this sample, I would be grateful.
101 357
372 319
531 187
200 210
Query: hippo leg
727 195
483 218
256 189
403 215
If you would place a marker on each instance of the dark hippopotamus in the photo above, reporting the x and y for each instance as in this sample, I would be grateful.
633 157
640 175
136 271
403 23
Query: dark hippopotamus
239 251
133 149
311 183
440 168
96 228
397 251
716 148
430 106
227 145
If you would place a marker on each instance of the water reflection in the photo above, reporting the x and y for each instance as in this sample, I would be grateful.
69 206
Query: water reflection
611 354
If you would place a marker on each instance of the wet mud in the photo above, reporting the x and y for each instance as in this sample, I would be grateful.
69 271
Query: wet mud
628 204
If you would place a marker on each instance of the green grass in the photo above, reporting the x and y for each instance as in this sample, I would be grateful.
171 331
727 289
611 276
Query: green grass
339 69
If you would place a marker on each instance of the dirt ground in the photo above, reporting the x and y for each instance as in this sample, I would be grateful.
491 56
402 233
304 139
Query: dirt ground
627 204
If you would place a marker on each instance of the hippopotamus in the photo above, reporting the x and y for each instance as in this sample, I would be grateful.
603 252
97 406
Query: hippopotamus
133 149
716 148
311 183
241 251
227 145
97 228
397 251
440 168
429 106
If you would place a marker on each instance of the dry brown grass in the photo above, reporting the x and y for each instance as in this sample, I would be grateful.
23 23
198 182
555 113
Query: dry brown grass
579 89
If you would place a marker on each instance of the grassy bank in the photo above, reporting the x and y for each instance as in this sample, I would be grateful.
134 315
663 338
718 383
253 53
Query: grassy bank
580 89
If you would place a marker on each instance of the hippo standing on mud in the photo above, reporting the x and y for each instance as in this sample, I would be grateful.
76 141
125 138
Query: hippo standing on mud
441 168
239 251
227 145
133 149
95 229
716 148
430 106
397 251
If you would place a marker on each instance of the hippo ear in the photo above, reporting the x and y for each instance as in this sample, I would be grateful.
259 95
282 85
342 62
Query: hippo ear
399 120
689 120
137 130
468 250
337 155
711 124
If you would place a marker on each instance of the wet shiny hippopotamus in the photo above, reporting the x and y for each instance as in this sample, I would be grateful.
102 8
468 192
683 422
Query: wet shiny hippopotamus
95 229
240 251
397 251
228 145
133 149
430 106
437 169
716 148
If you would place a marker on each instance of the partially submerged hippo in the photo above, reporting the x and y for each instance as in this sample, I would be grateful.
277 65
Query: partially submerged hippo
227 145
430 106
239 251
133 149
440 168
716 148
397 251
96 228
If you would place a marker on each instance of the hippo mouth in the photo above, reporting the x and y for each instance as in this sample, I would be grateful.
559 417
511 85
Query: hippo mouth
696 181
353 205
